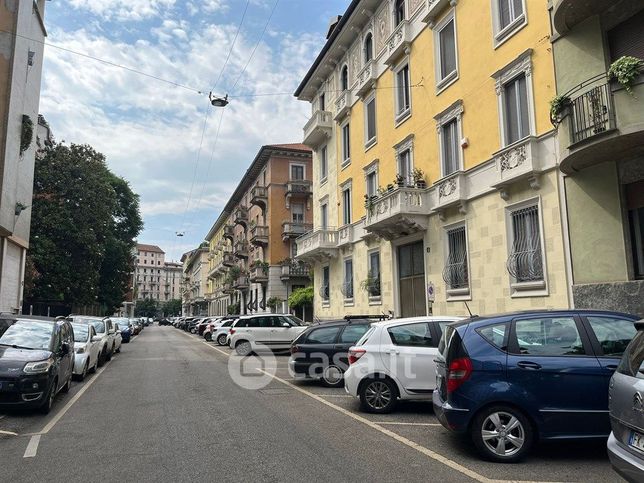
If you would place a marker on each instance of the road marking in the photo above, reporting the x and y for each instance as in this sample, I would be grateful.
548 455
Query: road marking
333 395
32 447
10 433
407 424
227 354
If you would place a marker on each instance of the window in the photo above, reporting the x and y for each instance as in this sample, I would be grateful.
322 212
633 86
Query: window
346 206
325 289
509 12
445 41
517 125
325 335
455 273
297 212
399 11
323 163
373 280
525 263
403 94
344 78
414 335
368 48
370 121
346 143
347 286
405 167
627 38
322 102
450 155
324 216
612 333
297 172
372 183
352 333
548 337
495 335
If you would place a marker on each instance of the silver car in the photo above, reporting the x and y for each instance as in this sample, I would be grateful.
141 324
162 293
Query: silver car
626 406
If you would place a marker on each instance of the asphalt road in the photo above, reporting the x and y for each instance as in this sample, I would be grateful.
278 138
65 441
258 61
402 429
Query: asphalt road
167 409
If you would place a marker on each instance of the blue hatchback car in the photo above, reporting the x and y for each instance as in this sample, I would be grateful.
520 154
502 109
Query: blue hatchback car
511 379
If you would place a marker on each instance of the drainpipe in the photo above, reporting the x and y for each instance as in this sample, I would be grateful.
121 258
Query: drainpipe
565 233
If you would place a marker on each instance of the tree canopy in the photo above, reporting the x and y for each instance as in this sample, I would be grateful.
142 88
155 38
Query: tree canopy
146 308
301 297
84 223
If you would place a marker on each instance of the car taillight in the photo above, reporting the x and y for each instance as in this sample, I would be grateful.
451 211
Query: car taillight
459 371
231 331
355 354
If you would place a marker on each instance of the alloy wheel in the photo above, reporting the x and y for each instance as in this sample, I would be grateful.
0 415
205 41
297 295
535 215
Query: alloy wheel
378 395
503 434
243 348
221 340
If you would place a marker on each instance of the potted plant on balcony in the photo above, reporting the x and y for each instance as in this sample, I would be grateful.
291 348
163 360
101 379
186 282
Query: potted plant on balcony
390 187
625 70
261 265
399 180
419 178
559 108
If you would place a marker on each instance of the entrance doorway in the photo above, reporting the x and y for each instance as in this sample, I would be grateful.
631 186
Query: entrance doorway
411 279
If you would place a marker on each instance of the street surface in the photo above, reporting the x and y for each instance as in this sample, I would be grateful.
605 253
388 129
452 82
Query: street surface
166 409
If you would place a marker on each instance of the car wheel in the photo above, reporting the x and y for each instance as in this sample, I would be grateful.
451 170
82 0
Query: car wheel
208 337
378 396
243 348
68 384
110 354
221 340
49 402
332 376
102 357
118 350
85 371
502 434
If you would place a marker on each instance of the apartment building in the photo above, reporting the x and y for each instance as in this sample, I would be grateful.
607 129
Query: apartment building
154 278
435 173
252 243
601 146
194 282
22 35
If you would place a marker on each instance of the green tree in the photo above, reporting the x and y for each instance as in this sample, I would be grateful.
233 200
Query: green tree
301 297
146 308
84 220
172 308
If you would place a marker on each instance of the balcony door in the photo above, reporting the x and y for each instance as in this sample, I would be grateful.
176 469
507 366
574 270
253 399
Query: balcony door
411 280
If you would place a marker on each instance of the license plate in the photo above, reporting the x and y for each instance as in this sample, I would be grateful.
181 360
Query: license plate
636 440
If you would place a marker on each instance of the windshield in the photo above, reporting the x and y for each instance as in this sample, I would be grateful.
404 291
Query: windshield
81 332
28 334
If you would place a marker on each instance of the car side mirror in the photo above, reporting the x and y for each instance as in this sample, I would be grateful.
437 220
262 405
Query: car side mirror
286 325
96 338
65 348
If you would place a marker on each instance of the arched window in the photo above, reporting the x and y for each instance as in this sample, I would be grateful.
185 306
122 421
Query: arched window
399 11
344 78
368 48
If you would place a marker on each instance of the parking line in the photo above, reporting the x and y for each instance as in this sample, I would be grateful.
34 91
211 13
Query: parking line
32 447
332 395
10 433
227 354
406 424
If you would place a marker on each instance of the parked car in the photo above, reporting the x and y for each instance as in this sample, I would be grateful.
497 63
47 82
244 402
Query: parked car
251 333
626 406
201 326
512 379
394 361
165 321
136 326
86 350
124 328
36 362
106 338
321 351
220 334
191 326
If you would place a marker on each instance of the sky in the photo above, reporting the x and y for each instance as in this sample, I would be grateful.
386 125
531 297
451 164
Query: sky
182 156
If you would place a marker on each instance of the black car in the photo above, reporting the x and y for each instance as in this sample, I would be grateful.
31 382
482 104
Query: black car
36 362
321 351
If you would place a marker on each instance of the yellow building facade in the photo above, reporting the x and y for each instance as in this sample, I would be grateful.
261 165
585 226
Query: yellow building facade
435 179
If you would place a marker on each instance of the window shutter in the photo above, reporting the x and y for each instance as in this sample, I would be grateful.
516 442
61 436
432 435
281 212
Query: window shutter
627 38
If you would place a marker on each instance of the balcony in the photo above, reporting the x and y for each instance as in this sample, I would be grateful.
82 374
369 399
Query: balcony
342 104
318 129
433 9
294 229
258 274
240 216
240 249
603 123
229 232
259 196
566 14
451 191
227 289
241 283
516 162
400 212
228 259
318 245
259 235
297 188
295 270
346 235
398 43
366 79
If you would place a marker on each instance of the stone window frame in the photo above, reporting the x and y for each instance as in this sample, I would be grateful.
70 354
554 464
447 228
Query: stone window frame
442 84
400 117
454 111
346 186
345 161
368 143
372 167
407 144
349 301
501 35
522 64
376 299
456 295
323 149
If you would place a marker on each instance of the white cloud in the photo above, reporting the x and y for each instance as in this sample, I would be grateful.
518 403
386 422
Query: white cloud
124 9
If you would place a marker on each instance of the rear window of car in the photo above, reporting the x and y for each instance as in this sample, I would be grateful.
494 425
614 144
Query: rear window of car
415 335
323 335
366 336
632 363
613 334
352 333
